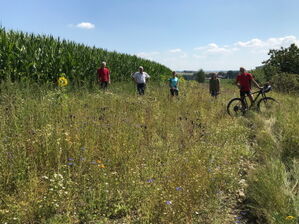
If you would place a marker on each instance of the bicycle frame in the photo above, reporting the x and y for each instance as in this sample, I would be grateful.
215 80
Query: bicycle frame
260 92
240 105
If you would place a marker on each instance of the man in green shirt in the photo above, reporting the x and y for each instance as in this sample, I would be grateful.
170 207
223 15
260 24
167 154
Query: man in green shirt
214 85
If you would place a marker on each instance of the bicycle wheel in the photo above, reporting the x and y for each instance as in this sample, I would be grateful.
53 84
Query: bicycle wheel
236 107
267 104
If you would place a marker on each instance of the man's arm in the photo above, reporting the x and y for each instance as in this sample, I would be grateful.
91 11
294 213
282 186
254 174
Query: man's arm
133 77
147 77
237 83
109 80
256 84
169 83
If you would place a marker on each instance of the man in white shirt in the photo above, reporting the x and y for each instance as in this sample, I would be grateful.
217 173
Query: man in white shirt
140 80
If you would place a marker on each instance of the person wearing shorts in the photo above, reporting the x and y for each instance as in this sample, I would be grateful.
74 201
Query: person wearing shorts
173 84
244 81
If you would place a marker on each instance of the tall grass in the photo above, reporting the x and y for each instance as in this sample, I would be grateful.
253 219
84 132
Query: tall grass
80 156
274 191
87 156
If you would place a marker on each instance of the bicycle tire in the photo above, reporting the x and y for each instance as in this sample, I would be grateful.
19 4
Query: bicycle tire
236 108
266 104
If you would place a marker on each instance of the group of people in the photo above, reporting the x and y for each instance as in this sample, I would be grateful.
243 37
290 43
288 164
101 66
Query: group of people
140 78
244 82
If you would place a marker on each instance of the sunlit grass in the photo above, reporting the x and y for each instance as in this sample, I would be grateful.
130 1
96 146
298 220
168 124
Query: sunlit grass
83 155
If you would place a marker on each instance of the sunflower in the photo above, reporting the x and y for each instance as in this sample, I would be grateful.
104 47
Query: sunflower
62 81
290 217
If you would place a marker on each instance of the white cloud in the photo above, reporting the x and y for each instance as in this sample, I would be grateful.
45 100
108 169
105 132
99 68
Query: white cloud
270 43
148 55
250 43
85 25
246 53
177 50
213 48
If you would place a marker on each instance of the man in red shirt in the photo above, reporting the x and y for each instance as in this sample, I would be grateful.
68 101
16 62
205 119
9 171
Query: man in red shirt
244 81
104 76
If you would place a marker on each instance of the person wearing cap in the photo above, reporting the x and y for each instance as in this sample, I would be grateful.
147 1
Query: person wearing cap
103 76
140 79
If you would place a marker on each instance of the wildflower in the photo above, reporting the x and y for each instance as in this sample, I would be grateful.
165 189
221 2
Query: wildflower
62 81
290 217
93 162
243 212
4 211
101 165
99 161
70 164
150 181
179 188
168 202
71 159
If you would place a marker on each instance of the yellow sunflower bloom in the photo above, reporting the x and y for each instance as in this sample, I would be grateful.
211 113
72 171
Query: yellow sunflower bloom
62 81
290 217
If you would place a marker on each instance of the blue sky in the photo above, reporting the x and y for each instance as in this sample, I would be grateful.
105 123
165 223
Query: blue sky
182 34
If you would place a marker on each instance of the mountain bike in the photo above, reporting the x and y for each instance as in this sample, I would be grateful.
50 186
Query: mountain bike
239 106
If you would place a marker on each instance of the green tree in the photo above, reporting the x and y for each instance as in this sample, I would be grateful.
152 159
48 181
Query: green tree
231 74
284 60
200 76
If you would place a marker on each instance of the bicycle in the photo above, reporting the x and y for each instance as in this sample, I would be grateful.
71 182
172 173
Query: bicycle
239 106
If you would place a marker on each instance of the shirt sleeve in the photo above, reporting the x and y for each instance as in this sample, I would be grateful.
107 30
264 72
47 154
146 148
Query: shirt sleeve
147 75
250 76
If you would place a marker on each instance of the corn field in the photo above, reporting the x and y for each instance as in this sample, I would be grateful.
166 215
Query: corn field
42 58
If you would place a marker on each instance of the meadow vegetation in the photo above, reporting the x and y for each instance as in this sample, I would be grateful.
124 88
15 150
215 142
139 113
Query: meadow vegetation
76 154
80 155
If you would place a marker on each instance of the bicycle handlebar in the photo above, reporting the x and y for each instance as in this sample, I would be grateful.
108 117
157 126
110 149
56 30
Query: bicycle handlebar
265 89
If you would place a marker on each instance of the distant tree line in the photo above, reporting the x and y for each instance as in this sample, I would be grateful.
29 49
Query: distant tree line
201 75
